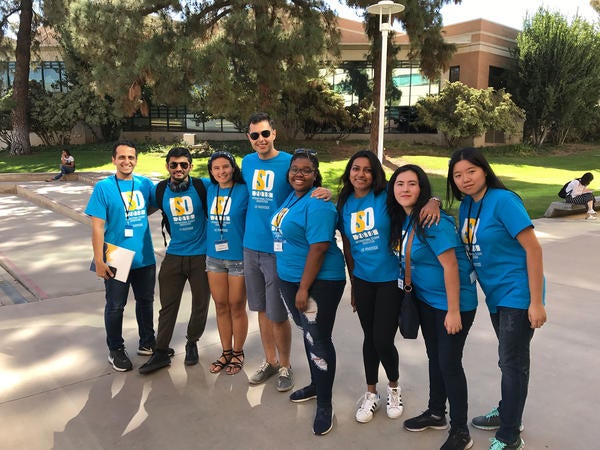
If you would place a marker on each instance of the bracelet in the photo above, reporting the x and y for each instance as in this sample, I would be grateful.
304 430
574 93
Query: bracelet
437 199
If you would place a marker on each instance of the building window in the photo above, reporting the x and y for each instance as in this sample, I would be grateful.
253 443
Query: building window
497 77
454 74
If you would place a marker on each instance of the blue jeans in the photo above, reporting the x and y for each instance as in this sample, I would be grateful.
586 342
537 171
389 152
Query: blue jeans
142 282
514 333
316 330
447 379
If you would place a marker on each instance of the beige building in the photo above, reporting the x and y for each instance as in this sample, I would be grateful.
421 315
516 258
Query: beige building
481 60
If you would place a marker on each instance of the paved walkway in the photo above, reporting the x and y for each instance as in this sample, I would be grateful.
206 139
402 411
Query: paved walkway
57 390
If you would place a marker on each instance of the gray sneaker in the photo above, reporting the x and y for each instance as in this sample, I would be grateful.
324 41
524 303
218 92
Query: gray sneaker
490 421
264 372
285 382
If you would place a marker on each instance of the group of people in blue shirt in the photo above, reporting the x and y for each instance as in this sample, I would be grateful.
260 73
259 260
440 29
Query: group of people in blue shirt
269 235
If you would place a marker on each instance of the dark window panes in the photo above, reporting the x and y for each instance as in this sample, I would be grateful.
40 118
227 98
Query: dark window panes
454 74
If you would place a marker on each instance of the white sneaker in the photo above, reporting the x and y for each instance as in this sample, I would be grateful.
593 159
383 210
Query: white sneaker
591 216
368 405
394 402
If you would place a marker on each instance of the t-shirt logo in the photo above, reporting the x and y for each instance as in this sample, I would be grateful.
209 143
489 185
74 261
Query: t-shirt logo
220 206
134 200
263 180
468 233
278 218
362 220
181 206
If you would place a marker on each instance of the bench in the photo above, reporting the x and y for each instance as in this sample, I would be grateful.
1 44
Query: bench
562 208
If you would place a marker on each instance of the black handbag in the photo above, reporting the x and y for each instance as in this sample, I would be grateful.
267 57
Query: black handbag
408 318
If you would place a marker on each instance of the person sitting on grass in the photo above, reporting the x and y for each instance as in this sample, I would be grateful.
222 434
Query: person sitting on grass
67 165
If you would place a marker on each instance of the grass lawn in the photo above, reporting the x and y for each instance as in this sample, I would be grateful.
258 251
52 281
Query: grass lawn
536 176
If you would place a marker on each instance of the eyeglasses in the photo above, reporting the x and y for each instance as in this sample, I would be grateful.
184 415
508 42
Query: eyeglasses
184 165
305 151
255 135
306 171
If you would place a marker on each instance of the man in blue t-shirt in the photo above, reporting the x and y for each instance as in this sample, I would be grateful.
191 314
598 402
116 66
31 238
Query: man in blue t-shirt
185 260
118 208
265 173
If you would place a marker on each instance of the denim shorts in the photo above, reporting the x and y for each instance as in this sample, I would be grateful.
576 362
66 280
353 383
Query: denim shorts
233 268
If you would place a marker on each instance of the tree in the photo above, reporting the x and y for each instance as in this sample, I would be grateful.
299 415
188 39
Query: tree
244 54
460 112
595 4
422 21
20 115
557 81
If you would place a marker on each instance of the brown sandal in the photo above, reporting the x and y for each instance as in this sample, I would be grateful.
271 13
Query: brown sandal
235 366
219 365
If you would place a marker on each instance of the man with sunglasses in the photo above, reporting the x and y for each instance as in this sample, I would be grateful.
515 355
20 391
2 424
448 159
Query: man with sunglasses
185 260
265 173
118 209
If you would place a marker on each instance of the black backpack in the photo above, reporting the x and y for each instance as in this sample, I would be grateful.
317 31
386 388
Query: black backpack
563 191
160 193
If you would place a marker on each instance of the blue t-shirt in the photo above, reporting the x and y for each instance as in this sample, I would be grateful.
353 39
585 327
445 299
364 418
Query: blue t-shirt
187 221
366 224
267 188
226 220
427 273
108 203
498 258
301 222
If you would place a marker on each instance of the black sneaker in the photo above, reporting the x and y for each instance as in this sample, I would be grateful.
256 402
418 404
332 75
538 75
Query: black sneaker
323 420
158 360
149 351
119 360
191 354
304 394
496 444
424 421
458 440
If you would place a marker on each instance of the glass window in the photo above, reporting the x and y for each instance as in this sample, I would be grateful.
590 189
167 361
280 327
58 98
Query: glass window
454 74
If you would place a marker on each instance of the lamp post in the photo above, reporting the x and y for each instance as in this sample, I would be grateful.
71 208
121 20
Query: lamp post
383 7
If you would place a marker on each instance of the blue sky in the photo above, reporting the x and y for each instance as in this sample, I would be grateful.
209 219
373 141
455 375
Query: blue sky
505 12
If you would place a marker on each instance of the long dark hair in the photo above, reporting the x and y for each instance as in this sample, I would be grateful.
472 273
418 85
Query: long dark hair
311 155
396 211
236 177
475 157
379 181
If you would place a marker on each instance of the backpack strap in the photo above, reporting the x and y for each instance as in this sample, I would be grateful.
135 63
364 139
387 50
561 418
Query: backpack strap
164 223
201 190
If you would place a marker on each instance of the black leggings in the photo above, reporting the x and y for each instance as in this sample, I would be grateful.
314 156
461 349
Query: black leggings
377 305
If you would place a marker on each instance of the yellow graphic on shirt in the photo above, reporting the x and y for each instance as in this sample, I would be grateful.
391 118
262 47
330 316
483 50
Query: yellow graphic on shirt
278 218
263 180
181 206
468 233
221 206
362 220
134 200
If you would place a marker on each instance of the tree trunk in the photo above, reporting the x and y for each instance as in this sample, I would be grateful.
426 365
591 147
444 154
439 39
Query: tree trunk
20 122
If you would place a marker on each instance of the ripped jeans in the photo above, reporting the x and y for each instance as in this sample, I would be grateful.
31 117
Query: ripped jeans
317 326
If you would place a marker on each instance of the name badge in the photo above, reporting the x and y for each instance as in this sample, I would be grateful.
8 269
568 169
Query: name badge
401 283
473 276
128 231
221 246
277 245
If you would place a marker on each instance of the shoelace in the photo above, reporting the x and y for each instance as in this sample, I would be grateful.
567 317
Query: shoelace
284 372
496 444
493 413
395 399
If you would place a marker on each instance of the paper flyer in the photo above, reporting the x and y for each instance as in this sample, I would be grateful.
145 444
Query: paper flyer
119 259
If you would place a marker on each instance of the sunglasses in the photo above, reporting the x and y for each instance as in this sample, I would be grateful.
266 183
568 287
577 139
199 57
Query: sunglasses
255 135
184 165
305 151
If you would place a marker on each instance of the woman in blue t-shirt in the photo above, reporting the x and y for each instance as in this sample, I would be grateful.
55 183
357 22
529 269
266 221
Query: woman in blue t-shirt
311 272
507 257
227 198
447 300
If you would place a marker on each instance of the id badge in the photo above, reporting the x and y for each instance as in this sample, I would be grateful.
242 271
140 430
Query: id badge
221 246
278 245
473 277
401 283
128 231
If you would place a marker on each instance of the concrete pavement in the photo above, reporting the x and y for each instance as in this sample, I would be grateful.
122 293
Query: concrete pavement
57 390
